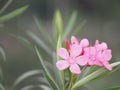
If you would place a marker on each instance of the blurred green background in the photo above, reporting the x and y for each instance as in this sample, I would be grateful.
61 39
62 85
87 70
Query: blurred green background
102 22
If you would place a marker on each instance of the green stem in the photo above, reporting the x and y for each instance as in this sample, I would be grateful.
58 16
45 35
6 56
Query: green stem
63 80
74 78
71 82
77 77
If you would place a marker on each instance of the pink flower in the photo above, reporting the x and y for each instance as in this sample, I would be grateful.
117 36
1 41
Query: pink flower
81 54
83 43
71 59
67 44
99 55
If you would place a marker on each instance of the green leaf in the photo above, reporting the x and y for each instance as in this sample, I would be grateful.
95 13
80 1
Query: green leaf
39 42
113 88
105 74
26 75
3 53
70 25
89 70
1 74
92 76
46 73
61 73
56 71
31 87
43 31
5 6
57 22
57 25
13 14
45 87
79 27
25 42
59 44
2 87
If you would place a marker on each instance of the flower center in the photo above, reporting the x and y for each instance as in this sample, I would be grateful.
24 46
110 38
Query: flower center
71 60
92 58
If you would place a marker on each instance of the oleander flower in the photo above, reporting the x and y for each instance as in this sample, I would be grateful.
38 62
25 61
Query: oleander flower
83 43
72 55
99 55
81 54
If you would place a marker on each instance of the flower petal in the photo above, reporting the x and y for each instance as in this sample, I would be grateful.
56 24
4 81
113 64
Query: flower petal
74 40
62 52
62 64
74 68
84 43
93 51
98 63
75 50
107 55
107 66
67 44
104 45
87 51
82 60
96 42
90 62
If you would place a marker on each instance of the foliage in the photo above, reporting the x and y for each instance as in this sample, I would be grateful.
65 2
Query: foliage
55 79
58 82
5 18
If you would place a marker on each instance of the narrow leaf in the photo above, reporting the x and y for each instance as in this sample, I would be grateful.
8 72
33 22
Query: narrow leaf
105 74
31 87
39 42
43 31
57 72
46 73
13 14
113 88
57 22
59 44
79 27
26 75
61 73
25 42
70 25
92 76
2 87
45 87
5 6
3 53
1 74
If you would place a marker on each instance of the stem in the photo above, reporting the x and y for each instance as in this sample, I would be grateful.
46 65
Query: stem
74 78
63 80
77 77
71 82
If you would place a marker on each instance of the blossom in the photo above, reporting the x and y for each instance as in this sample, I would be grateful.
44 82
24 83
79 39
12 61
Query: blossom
71 57
83 43
81 54
99 55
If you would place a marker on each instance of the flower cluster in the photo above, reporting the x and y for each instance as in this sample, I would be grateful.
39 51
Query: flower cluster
81 53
